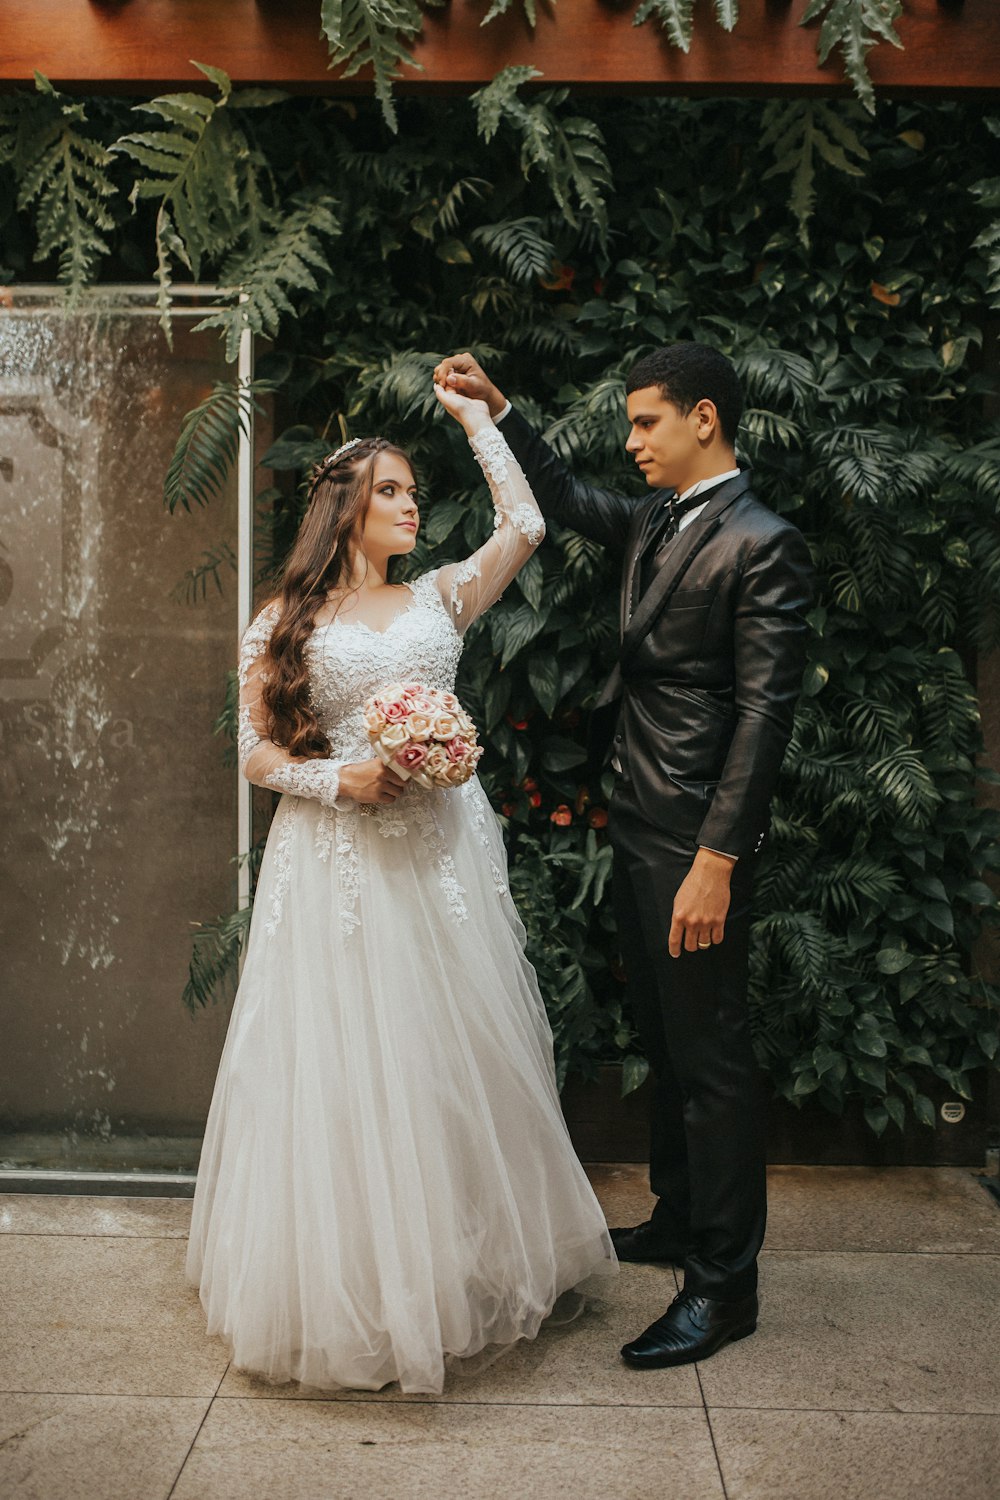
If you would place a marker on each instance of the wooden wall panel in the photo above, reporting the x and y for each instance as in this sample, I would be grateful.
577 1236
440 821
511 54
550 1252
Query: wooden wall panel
146 45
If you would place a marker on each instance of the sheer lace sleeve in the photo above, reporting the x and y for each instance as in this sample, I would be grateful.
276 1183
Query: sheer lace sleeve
470 587
261 760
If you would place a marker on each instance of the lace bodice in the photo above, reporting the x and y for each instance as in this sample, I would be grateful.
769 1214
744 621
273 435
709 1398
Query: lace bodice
348 661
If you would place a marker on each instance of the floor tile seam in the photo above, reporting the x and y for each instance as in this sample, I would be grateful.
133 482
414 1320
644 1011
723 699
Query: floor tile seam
711 1433
618 1406
613 1406
72 1234
954 1254
854 1411
113 1395
198 1431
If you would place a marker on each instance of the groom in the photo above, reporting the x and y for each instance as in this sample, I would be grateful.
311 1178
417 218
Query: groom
697 712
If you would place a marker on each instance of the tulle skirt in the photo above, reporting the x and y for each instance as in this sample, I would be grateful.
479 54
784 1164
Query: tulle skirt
386 1184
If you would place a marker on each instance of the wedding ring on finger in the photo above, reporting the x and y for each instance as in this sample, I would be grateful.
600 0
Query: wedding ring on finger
704 945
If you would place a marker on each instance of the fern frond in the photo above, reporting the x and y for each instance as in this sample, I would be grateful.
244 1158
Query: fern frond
776 375
375 34
196 166
260 283
501 7
499 101
675 16
904 781
855 27
402 382
519 246
569 151
800 132
193 587
62 173
215 957
209 441
443 213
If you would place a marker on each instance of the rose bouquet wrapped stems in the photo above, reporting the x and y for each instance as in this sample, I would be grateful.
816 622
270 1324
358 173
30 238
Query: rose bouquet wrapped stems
423 733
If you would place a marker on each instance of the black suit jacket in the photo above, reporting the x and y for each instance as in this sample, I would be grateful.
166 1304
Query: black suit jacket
712 654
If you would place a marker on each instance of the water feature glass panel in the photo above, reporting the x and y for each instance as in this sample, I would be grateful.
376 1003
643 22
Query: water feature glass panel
117 811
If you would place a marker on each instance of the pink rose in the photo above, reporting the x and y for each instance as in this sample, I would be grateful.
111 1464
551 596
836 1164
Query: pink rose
411 757
396 711
458 750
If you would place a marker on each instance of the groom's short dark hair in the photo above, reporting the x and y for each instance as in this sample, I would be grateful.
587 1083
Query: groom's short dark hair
688 373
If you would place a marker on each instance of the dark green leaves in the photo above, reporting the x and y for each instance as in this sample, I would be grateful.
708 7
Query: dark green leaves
568 150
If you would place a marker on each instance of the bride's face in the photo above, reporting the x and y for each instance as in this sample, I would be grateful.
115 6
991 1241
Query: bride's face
391 521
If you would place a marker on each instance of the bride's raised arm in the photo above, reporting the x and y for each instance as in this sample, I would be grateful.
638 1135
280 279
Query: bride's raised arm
469 587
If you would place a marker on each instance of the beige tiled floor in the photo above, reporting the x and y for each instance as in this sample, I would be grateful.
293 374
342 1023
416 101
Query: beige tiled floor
875 1374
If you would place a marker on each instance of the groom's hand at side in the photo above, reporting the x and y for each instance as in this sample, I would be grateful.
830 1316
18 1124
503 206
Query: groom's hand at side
464 374
701 904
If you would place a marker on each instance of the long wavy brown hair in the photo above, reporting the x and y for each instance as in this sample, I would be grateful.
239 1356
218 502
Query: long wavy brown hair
320 560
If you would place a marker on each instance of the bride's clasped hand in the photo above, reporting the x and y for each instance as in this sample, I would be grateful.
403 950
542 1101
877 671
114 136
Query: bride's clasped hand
387 1186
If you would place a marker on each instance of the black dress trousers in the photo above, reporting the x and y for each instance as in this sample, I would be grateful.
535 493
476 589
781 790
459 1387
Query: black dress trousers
707 1130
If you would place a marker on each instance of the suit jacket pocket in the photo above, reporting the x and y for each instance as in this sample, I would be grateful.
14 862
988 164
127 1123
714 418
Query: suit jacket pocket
700 698
690 599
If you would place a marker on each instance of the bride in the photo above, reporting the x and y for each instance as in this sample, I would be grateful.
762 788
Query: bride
386 1183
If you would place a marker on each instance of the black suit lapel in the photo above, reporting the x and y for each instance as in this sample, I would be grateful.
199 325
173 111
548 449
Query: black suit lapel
682 553
685 549
630 583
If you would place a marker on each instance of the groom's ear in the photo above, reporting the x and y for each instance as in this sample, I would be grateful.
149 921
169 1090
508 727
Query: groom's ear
706 419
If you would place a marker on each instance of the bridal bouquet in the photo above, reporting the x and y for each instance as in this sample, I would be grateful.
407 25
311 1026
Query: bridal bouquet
423 733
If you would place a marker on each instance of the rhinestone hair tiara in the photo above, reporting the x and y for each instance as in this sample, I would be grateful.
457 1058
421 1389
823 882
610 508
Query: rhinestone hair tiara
338 453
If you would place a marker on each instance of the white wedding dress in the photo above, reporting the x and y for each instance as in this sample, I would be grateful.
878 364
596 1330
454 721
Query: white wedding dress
386 1183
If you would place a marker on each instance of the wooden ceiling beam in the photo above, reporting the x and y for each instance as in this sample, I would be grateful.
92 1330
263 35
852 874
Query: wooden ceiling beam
146 46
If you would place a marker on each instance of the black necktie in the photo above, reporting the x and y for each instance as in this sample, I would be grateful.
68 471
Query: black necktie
662 533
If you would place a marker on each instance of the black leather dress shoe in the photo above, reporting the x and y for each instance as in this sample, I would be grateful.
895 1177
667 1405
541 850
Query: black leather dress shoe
644 1245
692 1328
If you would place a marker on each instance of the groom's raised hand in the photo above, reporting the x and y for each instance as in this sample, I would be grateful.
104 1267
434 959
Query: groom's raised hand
464 374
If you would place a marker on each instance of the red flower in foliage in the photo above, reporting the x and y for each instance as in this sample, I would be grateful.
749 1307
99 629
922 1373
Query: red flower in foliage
563 816
530 784
516 723
508 809
535 799
598 817
561 279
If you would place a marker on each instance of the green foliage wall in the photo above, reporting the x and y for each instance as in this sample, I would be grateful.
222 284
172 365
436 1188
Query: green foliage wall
844 263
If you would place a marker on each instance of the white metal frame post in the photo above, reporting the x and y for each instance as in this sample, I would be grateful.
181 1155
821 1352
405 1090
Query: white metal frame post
244 587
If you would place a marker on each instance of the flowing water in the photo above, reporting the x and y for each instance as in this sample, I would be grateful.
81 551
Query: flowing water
117 816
